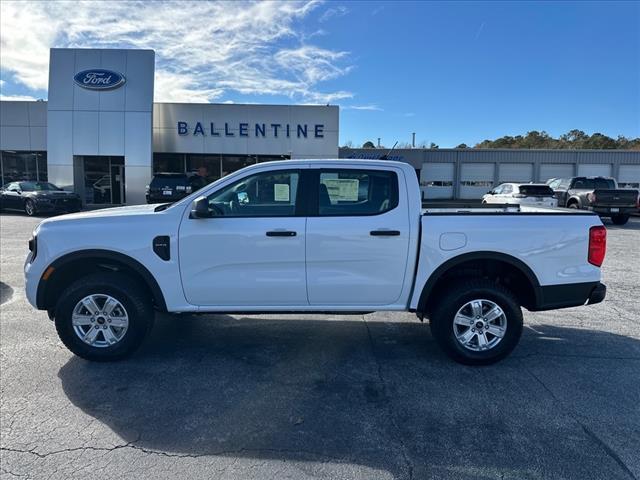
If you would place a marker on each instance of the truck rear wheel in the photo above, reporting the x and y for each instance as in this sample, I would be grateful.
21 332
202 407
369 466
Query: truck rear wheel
620 219
478 322
103 317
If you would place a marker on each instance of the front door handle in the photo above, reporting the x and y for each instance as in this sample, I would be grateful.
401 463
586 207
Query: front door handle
384 233
281 233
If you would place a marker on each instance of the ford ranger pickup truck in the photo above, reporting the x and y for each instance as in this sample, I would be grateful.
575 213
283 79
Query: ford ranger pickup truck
339 236
597 194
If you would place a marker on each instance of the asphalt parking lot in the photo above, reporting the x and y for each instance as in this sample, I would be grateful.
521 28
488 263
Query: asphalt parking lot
352 397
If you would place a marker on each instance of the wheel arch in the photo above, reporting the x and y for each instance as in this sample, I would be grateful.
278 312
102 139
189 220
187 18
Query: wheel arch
574 199
480 264
73 265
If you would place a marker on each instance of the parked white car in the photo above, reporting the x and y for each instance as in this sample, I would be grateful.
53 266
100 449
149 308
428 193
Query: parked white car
340 236
537 194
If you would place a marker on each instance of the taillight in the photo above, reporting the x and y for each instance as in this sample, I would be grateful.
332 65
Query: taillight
592 198
597 245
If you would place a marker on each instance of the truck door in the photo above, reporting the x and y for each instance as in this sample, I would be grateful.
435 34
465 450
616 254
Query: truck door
251 252
357 236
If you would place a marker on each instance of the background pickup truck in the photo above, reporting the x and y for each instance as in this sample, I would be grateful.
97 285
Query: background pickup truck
597 194
313 236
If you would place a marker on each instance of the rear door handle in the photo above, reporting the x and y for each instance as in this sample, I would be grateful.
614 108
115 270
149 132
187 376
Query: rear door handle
281 233
384 233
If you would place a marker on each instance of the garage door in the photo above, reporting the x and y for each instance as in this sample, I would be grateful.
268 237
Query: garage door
555 170
594 170
436 180
515 172
629 176
476 179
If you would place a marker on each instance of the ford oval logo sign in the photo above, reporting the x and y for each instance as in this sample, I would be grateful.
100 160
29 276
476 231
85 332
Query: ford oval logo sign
99 79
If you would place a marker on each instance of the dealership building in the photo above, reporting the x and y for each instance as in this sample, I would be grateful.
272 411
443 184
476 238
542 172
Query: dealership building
101 134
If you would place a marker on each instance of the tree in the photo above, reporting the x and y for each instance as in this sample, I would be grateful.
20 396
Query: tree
573 139
462 145
433 146
368 144
348 144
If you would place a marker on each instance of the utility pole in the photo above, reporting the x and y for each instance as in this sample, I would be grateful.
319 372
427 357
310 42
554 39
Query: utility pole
413 140
378 142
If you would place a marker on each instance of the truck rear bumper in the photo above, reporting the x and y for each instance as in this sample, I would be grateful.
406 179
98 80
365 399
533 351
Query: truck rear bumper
597 294
552 297
609 211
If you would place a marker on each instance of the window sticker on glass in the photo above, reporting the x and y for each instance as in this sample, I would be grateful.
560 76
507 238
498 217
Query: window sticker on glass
281 192
342 189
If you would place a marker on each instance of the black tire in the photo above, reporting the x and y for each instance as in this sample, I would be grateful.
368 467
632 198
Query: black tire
443 314
573 205
125 290
620 219
30 207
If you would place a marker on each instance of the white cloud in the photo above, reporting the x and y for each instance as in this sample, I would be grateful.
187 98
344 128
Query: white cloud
374 108
333 12
17 98
204 50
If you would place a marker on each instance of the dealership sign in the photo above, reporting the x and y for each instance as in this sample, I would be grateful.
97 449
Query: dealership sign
99 79
256 130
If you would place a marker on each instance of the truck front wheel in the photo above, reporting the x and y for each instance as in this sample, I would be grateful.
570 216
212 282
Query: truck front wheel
478 322
104 316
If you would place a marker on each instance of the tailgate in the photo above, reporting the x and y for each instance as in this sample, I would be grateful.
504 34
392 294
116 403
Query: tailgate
617 198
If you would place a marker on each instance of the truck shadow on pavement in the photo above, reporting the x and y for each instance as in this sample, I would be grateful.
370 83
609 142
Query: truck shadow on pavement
6 293
376 394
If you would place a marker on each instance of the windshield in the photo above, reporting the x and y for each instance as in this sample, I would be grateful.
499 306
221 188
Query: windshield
38 187
594 184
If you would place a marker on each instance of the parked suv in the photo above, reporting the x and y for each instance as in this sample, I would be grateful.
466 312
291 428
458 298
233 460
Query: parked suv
598 194
522 194
171 187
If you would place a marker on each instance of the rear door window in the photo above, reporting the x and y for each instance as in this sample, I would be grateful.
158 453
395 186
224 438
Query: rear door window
346 192
536 190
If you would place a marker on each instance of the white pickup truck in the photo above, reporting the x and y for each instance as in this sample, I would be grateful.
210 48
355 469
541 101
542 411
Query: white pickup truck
338 236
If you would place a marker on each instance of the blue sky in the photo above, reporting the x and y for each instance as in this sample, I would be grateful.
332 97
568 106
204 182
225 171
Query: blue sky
451 72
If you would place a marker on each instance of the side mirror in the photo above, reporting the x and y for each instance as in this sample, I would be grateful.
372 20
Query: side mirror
201 208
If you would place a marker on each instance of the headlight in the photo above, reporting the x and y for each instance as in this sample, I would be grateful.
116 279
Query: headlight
33 247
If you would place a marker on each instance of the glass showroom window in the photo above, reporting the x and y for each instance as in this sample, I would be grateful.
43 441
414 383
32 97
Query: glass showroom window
17 166
232 163
207 166
168 163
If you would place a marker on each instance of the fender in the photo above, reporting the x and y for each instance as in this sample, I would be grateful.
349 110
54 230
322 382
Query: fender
133 264
465 257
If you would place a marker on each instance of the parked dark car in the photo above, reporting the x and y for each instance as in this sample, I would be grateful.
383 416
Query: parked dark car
38 197
171 187
598 194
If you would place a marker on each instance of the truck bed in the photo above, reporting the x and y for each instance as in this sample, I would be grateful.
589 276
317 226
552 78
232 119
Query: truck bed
500 209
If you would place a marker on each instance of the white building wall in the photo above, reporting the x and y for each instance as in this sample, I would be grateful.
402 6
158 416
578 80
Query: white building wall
115 122
226 137
23 126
